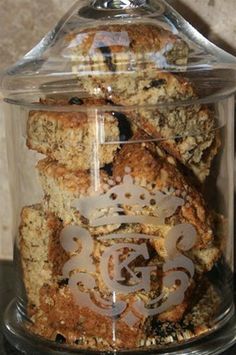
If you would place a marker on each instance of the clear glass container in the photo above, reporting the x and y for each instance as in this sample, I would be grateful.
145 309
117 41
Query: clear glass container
120 130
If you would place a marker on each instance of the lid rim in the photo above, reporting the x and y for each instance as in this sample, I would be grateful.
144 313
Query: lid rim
74 49
73 108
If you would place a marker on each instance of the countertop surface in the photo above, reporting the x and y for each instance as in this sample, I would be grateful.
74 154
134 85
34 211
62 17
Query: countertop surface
7 293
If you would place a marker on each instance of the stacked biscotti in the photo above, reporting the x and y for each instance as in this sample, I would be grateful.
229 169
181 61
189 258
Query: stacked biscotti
123 169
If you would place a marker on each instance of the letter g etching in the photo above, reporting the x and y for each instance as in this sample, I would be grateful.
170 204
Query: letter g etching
123 268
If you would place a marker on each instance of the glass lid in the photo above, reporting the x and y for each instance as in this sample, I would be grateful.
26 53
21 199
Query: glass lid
101 46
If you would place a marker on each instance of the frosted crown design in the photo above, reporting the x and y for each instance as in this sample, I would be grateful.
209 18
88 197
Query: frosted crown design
178 270
129 194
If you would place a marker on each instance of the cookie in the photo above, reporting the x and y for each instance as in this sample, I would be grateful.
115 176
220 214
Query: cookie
76 323
152 101
158 174
172 201
80 327
42 256
187 133
63 187
75 139
124 47
147 87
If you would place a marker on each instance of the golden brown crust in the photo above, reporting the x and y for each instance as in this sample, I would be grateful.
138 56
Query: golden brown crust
142 37
78 181
82 328
65 316
175 314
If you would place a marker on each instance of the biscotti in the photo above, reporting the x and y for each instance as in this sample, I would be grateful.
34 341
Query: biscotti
187 132
73 138
172 199
42 255
41 235
122 47
68 323
157 175
59 322
161 175
136 89
62 187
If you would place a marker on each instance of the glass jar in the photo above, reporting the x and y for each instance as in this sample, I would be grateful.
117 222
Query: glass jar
120 143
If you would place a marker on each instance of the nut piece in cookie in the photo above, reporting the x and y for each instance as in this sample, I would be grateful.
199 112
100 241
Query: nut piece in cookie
75 139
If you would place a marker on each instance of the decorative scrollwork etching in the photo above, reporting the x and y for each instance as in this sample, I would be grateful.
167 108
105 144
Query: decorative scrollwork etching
117 258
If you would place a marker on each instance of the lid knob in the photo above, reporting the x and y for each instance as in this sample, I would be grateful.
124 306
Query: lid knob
117 4
108 9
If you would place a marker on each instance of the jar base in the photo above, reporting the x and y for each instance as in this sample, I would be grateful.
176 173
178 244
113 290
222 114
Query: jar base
211 344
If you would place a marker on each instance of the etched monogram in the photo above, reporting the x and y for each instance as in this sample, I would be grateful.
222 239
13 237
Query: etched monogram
119 268
115 283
